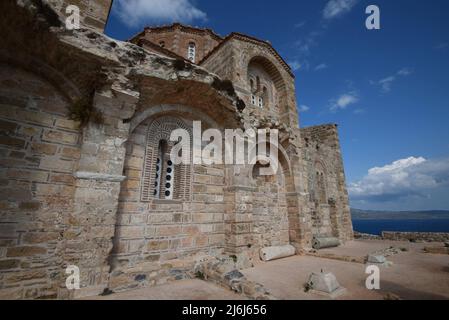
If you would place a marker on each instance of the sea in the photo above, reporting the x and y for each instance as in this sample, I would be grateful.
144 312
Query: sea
410 225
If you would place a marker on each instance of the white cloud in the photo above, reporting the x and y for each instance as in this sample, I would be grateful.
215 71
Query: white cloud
303 108
405 72
412 176
343 101
295 65
336 8
300 24
387 83
140 12
321 66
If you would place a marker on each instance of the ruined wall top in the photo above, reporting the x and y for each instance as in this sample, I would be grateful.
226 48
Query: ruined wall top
177 38
93 13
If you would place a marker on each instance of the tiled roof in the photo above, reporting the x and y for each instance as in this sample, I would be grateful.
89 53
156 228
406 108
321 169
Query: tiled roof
183 27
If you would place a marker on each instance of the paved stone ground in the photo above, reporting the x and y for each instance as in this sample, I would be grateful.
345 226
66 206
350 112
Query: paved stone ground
191 289
413 275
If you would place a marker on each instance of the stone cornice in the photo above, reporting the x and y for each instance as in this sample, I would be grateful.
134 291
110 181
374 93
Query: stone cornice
84 175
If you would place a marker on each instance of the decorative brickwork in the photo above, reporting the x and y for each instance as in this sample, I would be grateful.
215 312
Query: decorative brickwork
94 195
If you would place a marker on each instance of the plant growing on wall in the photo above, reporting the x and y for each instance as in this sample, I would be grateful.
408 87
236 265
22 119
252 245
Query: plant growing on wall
83 109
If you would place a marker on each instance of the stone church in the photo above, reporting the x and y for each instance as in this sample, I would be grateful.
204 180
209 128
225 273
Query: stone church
86 176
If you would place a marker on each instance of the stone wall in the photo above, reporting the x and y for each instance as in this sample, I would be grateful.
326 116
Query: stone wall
416 236
328 203
366 236
270 210
93 13
232 60
39 148
176 38
153 232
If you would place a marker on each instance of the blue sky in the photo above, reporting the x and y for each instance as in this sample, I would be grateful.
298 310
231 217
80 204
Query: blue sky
387 89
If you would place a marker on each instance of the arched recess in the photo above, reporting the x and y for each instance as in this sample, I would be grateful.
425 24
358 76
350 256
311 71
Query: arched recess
265 80
40 148
154 111
320 183
31 64
161 179
273 201
148 227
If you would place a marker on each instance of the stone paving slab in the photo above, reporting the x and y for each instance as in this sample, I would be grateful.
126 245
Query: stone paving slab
191 289
413 274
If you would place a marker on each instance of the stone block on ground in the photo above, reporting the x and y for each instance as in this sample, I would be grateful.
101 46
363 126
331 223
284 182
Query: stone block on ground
325 242
272 253
437 250
379 259
325 283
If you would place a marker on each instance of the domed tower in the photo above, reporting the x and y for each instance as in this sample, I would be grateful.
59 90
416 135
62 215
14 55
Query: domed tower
190 43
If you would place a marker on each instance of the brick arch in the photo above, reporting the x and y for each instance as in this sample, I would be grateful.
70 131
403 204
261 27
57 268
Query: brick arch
33 65
285 176
284 161
271 68
160 129
175 109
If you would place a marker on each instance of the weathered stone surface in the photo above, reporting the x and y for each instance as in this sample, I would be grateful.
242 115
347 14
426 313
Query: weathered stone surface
99 176
323 282
322 243
437 250
9 264
25 251
373 258
272 253
416 236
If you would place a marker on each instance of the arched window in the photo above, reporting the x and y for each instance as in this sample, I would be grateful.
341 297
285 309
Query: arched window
162 179
260 102
191 52
253 99
265 82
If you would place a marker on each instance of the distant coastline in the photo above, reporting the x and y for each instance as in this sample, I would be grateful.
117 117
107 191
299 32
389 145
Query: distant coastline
374 222
358 214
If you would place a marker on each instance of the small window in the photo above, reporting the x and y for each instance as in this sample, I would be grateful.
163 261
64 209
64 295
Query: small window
191 52
162 44
162 149
253 99
260 102
264 91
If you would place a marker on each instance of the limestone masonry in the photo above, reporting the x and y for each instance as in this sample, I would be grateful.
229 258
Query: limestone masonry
86 178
